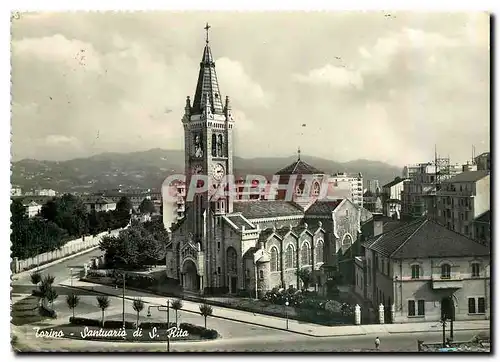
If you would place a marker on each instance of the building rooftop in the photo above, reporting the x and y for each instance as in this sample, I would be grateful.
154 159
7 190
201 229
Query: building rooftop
323 207
424 238
259 209
468 176
240 221
396 181
484 217
299 167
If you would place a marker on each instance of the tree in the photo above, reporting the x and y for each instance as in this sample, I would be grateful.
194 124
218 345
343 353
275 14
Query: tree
138 307
36 278
51 295
206 310
147 207
103 303
177 305
124 205
305 277
72 302
136 244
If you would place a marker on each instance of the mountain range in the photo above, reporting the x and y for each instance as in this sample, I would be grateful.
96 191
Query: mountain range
148 169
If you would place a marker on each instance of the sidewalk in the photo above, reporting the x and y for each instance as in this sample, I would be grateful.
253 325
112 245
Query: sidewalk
308 329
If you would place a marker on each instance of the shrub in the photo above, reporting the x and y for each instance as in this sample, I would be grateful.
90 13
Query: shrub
198 330
119 324
46 312
97 273
159 325
77 321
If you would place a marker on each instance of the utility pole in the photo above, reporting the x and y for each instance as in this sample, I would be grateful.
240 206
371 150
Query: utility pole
123 300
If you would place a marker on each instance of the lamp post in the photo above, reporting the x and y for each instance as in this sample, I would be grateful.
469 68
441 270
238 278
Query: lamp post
443 323
159 307
123 290
286 312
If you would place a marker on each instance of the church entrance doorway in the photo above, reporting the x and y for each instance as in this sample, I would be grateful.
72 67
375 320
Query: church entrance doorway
234 283
190 281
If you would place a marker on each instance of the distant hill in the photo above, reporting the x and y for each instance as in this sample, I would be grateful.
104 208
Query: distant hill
148 169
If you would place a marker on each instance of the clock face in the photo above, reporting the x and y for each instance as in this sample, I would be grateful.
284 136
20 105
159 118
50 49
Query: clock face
197 169
218 171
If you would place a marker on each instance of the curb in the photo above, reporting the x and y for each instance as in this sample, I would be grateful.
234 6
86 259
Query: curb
284 329
54 262
213 316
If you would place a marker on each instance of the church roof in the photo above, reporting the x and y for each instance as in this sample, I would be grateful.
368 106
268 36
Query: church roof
299 167
260 209
323 207
424 238
207 85
240 221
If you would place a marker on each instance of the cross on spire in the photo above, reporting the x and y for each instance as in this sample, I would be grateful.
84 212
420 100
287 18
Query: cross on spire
207 27
298 154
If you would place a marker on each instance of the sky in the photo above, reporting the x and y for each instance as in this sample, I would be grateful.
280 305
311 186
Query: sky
366 85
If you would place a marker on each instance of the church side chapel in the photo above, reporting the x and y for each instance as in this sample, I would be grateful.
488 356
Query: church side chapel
223 245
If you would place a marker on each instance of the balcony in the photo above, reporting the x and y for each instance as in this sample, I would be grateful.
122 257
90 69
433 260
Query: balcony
450 279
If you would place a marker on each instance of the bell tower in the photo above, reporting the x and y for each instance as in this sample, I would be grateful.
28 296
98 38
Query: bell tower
208 146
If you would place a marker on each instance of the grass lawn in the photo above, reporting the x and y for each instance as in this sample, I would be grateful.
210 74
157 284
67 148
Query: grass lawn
25 311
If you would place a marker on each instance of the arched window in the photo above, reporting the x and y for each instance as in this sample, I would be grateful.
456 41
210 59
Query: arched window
231 260
274 259
214 144
261 274
290 257
220 145
319 251
445 271
316 189
305 254
300 188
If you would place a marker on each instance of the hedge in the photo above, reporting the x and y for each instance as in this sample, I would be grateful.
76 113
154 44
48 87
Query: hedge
158 325
97 323
203 332
46 312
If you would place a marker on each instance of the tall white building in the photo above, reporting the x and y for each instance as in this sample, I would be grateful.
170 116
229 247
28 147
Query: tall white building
462 199
356 183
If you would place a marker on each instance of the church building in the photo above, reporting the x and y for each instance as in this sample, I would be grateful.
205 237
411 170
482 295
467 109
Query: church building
228 245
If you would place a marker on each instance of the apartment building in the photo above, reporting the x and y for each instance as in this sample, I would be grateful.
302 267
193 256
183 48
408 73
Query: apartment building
391 197
356 183
421 271
482 228
483 161
374 186
419 194
462 199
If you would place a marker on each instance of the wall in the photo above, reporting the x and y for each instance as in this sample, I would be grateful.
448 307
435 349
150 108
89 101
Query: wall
482 198
406 288
71 247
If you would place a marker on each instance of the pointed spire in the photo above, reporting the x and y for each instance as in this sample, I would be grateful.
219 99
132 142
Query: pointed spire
207 82
187 108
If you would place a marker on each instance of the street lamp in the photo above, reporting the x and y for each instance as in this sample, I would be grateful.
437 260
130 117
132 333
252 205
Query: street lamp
159 307
443 323
123 291
286 312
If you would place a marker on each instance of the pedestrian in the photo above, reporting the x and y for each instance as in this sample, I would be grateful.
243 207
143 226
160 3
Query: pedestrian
377 343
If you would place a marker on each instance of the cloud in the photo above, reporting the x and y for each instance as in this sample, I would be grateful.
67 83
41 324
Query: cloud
239 85
332 75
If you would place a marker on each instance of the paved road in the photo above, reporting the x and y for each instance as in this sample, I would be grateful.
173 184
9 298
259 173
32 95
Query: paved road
395 342
61 270
288 343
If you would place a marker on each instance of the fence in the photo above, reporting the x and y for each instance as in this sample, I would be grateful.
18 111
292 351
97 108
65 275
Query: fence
71 247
